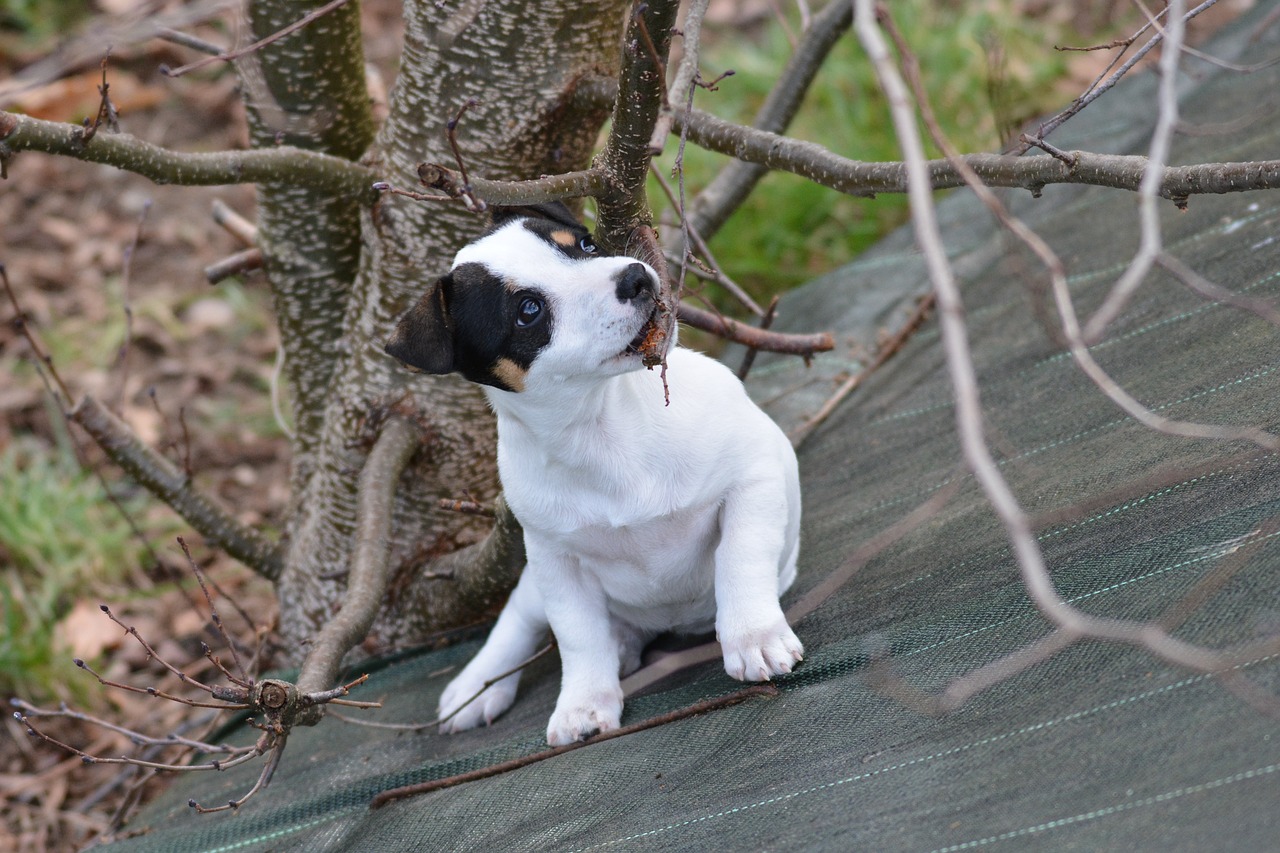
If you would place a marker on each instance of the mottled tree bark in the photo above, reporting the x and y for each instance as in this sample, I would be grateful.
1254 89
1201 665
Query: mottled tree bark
308 90
521 62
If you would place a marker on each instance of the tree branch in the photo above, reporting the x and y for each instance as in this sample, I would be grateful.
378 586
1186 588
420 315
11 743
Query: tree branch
280 165
367 579
626 155
859 178
1099 87
160 477
487 569
625 220
804 345
588 182
730 187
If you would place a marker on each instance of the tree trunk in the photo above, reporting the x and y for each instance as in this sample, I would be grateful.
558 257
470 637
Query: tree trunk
521 62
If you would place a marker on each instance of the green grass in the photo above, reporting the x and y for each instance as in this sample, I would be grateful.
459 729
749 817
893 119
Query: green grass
986 67
61 539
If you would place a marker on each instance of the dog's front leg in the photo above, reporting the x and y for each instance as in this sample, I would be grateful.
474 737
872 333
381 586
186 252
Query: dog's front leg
753 632
590 693
520 628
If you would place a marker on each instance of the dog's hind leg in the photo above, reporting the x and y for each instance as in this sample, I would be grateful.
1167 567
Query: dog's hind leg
520 629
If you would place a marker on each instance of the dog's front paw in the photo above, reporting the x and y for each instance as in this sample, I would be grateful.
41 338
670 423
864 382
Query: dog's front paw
579 718
759 655
458 714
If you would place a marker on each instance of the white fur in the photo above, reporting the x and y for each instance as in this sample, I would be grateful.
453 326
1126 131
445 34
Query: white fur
639 517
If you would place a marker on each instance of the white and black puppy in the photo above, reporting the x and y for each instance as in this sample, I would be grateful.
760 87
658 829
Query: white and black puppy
639 517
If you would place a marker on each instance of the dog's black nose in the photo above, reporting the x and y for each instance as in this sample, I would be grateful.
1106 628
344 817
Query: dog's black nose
633 281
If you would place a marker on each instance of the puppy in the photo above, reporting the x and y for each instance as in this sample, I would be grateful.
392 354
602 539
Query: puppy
639 516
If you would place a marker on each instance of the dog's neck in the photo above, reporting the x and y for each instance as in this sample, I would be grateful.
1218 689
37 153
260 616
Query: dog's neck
553 412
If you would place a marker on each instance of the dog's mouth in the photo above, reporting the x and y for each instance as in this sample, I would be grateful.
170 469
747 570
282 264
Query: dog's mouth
649 339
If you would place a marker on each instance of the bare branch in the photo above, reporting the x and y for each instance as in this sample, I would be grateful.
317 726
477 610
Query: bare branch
163 479
489 567
703 707
887 350
367 579
235 224
686 75
264 779
730 187
853 177
692 236
1206 289
1150 243
257 45
589 182
237 264
803 345
42 358
766 321
625 221
1062 294
1100 86
283 164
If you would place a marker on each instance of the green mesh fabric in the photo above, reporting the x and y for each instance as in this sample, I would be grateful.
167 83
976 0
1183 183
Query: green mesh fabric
1100 747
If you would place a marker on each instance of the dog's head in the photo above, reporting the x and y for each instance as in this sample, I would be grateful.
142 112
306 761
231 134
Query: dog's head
533 299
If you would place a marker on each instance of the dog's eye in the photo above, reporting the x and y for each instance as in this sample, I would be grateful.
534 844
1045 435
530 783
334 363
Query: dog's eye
587 245
529 312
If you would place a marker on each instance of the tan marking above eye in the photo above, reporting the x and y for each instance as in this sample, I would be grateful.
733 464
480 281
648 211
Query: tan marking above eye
564 238
511 374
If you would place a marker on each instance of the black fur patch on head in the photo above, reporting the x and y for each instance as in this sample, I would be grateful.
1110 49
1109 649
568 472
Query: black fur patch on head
554 223
472 322
555 211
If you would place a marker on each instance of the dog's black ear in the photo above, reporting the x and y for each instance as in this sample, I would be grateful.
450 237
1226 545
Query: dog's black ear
423 338
556 211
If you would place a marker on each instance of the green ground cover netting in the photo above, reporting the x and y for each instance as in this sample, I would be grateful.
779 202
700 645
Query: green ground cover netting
1100 747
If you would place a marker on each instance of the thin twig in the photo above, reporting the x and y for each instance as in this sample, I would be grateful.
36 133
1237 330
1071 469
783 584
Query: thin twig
106 110
413 727
704 707
162 479
264 779
474 204
1101 86
1150 243
804 345
924 305
234 224
686 73
261 43
694 239
749 358
242 679
367 579
43 359
726 192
